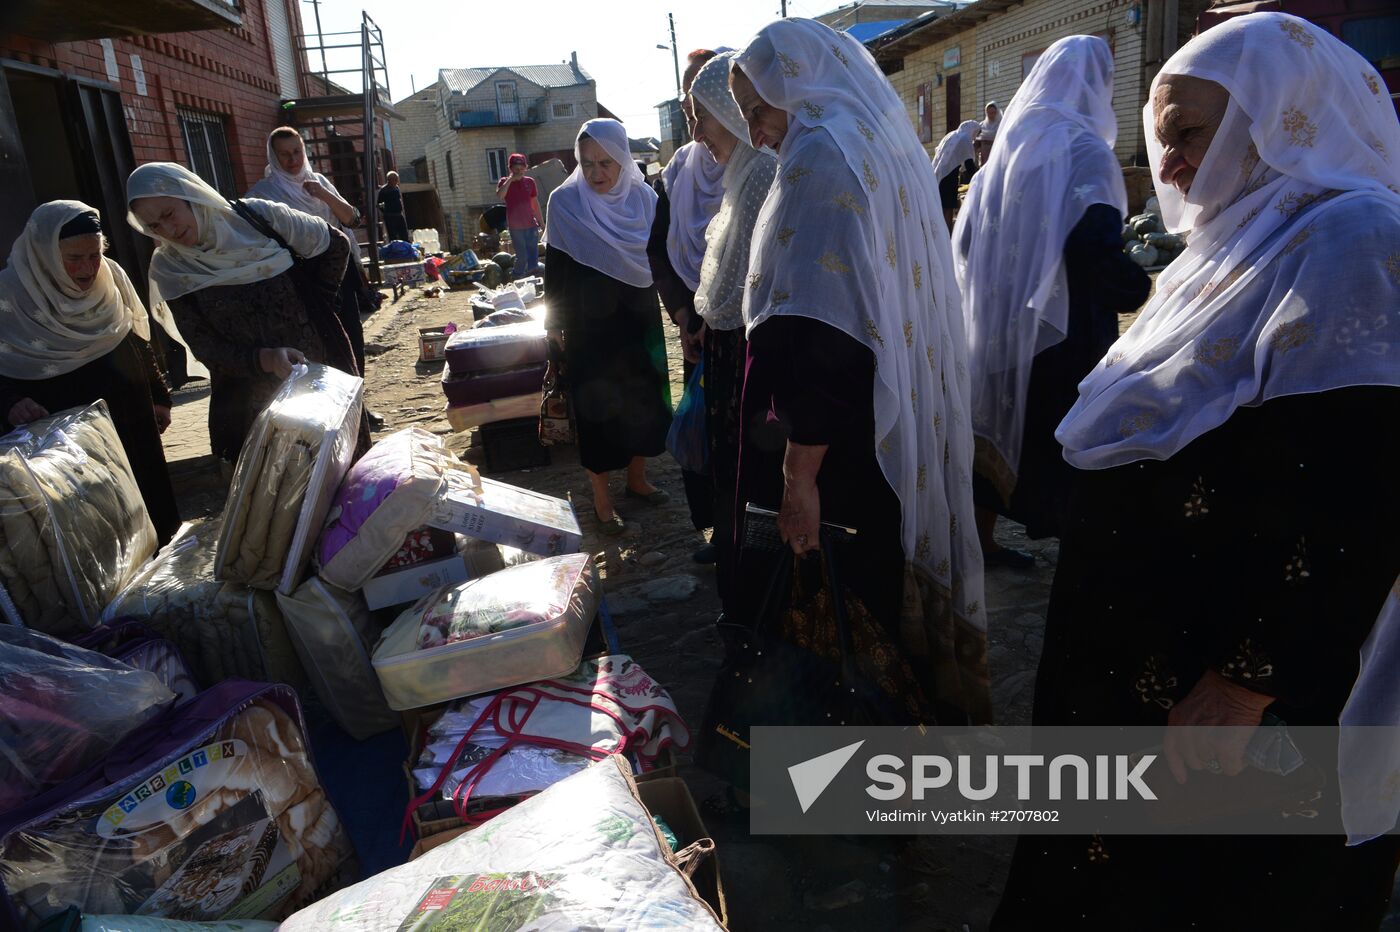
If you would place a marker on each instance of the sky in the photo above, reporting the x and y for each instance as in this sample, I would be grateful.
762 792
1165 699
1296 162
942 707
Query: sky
616 43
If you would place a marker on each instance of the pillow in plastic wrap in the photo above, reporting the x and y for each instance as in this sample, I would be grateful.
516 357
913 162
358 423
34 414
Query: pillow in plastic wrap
62 707
384 497
294 459
223 630
584 854
525 623
73 524
220 813
333 633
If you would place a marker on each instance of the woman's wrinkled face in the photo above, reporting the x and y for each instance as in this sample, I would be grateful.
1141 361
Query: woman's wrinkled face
1186 112
291 153
767 124
82 258
711 133
600 170
168 218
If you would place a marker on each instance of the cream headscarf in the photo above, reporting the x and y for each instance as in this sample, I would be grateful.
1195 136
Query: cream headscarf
954 149
851 235
747 177
283 187
1053 160
48 327
229 250
694 187
607 232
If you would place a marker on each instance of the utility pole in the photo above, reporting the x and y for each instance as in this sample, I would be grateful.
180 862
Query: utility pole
675 53
784 9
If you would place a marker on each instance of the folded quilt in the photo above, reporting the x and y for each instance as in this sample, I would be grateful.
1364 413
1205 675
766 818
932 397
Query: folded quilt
73 525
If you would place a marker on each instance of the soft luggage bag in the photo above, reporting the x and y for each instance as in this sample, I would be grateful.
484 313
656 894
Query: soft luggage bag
212 811
465 388
481 348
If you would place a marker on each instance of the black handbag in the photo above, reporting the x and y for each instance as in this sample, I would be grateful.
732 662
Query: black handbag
792 668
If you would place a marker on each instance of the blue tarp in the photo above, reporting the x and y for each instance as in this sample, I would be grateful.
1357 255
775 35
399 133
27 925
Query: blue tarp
864 32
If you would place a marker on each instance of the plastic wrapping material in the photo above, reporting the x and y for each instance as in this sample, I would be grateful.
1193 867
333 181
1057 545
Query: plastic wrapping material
507 514
293 461
218 814
163 658
223 630
525 623
61 708
466 417
383 498
333 633
464 389
73 525
146 924
498 347
520 771
584 854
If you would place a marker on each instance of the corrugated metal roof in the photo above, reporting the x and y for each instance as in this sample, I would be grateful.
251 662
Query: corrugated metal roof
463 80
864 32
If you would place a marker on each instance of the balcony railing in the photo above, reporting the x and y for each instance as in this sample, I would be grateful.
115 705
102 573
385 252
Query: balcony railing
519 113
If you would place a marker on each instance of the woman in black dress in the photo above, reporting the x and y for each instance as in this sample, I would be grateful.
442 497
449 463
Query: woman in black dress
74 331
603 311
1219 561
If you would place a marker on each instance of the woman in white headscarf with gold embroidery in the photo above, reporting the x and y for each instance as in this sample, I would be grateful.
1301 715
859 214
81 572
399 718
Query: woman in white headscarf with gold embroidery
1039 255
954 152
855 407
719 298
250 306
73 330
1235 505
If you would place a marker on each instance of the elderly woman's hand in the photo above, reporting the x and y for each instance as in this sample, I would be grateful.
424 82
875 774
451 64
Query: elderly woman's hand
1222 716
316 190
279 360
800 516
26 410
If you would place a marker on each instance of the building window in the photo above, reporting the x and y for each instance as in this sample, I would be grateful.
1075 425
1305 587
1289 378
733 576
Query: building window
451 180
496 164
563 111
206 147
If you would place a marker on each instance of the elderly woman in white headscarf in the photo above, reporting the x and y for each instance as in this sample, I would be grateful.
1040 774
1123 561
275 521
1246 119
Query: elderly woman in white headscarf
253 289
290 180
73 330
719 299
603 310
855 408
689 191
1235 505
953 152
1039 256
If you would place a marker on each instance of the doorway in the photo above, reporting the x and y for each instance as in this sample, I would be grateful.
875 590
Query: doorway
953 101
507 104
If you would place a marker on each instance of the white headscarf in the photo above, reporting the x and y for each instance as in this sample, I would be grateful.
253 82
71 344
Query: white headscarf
987 129
694 186
851 235
282 186
229 250
1052 161
747 177
954 149
48 326
607 232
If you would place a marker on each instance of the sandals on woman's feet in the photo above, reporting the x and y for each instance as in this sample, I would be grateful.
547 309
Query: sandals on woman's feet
610 527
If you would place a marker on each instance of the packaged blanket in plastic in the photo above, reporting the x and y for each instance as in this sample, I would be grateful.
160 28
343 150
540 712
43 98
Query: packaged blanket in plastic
62 707
383 499
525 623
506 514
135 644
222 630
498 347
74 921
584 854
334 634
73 525
216 814
520 740
294 459
466 389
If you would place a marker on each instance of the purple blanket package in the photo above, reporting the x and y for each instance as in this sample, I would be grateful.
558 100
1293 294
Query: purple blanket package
479 387
507 347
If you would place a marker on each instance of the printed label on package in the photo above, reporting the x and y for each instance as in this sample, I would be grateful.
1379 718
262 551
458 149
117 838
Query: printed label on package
500 902
166 794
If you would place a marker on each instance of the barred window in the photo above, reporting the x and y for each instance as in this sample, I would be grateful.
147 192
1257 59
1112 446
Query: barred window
206 147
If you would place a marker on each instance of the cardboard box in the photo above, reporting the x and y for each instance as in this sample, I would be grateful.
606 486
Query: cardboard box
411 583
432 342
506 514
669 800
403 273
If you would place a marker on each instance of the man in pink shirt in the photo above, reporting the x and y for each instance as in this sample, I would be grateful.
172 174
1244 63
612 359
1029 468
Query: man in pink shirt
523 217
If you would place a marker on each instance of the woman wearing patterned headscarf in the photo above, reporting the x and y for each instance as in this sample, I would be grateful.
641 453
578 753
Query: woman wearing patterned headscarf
855 407
248 313
73 330
603 314
1234 506
1039 256
719 299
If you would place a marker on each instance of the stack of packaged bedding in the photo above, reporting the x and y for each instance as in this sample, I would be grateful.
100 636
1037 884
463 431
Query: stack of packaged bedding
214 811
583 854
294 459
495 373
73 525
224 630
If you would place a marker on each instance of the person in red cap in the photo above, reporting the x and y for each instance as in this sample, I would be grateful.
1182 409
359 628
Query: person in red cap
523 217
